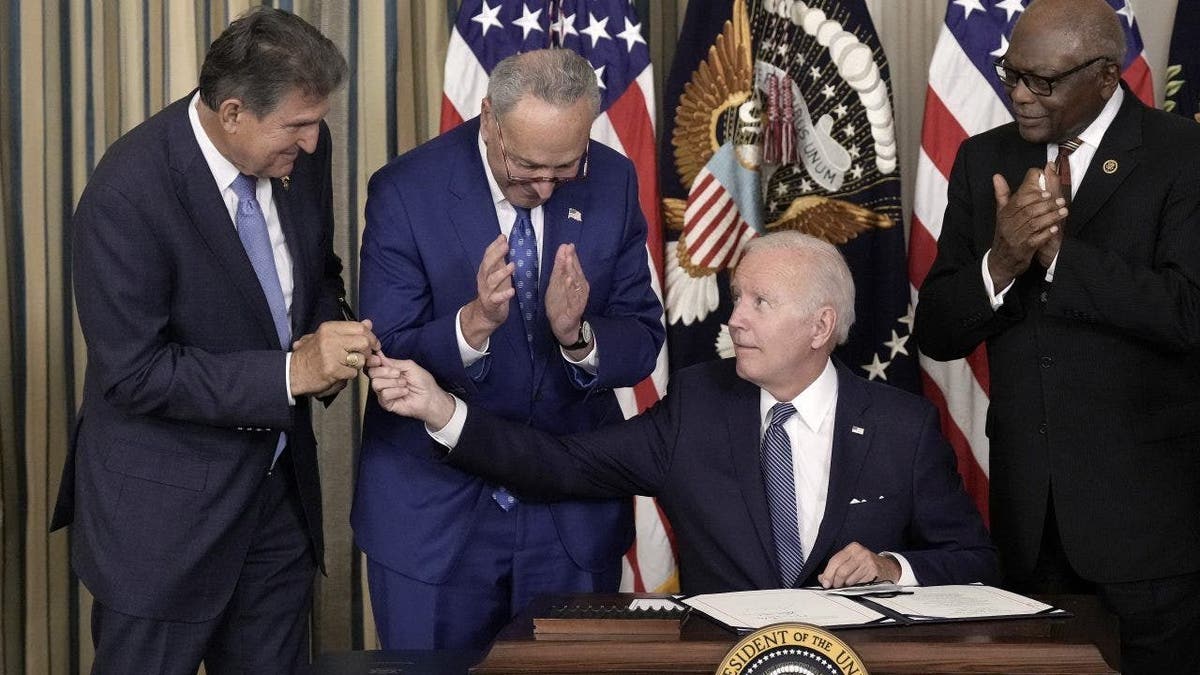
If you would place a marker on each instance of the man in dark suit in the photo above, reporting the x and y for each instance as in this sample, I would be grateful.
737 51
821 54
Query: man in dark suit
208 295
1084 282
866 489
516 199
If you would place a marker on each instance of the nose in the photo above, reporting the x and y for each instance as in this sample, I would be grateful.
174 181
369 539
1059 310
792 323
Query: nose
543 190
736 320
1021 94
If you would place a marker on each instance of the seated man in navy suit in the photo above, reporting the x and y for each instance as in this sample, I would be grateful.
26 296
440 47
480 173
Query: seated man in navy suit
780 469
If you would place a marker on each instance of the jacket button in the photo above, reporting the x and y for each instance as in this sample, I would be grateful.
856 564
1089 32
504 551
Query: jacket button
1042 428
1046 361
1043 297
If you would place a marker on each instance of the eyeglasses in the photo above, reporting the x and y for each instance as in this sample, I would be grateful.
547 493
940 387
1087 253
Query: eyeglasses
527 180
1038 84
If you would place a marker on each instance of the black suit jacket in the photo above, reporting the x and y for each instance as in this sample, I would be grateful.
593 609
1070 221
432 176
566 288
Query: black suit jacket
185 395
1095 377
697 450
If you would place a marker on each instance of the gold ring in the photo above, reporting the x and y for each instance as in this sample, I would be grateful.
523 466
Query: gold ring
352 360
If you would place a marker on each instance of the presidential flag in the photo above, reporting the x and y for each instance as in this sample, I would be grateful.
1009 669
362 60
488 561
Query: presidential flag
609 34
1183 69
781 118
965 98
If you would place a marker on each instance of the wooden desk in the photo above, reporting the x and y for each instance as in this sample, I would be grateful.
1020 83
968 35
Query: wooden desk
1044 645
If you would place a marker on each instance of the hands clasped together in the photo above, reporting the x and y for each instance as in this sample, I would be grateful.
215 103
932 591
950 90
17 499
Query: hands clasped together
1029 223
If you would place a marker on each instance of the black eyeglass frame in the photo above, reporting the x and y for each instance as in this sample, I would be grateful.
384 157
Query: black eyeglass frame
581 172
1003 71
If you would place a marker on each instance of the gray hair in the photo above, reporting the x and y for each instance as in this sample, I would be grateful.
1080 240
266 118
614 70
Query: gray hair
827 277
557 76
1092 22
265 55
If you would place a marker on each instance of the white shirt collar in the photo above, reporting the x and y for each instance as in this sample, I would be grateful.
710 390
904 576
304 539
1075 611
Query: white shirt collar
1094 133
812 404
498 197
223 171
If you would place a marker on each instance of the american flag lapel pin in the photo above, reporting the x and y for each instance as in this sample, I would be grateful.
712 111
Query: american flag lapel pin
286 182
574 214
857 430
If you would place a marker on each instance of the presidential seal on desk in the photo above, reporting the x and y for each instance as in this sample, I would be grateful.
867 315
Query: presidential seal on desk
792 648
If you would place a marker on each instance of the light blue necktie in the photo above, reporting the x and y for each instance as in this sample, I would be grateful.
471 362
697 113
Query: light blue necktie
781 493
522 250
252 230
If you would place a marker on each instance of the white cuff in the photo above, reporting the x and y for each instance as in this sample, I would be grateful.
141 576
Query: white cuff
590 363
449 434
287 378
907 576
995 298
466 352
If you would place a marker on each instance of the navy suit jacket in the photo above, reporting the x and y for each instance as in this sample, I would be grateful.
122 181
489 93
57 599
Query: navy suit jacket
185 395
1095 377
892 486
430 215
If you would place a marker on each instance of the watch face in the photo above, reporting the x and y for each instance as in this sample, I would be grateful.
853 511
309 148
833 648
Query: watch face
585 332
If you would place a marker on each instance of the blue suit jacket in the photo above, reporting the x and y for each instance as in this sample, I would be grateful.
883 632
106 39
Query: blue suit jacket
698 452
185 396
430 216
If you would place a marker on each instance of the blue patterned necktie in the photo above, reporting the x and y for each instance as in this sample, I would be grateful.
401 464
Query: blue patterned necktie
252 230
781 493
522 250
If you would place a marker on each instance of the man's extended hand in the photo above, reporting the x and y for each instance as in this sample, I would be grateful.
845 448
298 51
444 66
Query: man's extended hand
856 564
566 295
494 288
1025 221
406 389
332 354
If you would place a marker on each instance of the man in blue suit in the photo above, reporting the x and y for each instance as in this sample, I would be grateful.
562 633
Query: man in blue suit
780 469
508 256
208 294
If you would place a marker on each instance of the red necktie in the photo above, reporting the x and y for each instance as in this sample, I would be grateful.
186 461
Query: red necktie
1062 166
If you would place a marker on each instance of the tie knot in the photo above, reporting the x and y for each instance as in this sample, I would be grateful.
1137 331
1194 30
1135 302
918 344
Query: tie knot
1067 147
244 186
522 214
780 412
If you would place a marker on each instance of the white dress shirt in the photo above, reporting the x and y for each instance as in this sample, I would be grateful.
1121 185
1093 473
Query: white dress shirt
224 173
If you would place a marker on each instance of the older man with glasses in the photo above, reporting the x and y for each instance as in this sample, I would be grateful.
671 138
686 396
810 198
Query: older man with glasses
1071 248
508 257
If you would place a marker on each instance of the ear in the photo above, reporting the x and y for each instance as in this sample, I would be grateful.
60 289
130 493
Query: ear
485 119
824 324
1110 79
230 114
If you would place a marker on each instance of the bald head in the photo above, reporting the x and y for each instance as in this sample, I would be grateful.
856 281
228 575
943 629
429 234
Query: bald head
1087 26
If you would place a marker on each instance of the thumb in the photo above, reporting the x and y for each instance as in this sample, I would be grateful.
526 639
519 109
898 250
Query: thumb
1000 187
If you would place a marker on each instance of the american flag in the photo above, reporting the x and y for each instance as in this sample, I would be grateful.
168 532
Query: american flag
609 34
965 98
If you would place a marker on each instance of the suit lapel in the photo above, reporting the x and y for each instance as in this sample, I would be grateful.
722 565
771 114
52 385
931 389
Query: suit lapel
851 445
302 285
1119 145
198 192
745 437
557 229
473 217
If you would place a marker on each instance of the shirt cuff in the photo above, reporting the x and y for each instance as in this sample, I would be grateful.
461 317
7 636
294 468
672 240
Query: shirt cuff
449 434
907 576
995 298
287 378
590 364
466 352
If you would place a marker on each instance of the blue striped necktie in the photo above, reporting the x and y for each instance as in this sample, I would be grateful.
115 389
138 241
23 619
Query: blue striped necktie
781 494
252 230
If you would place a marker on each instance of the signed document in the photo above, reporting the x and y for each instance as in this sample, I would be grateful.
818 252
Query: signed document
974 601
750 610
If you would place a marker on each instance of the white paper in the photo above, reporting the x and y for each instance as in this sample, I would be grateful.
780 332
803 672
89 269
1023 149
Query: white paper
960 602
755 609
654 603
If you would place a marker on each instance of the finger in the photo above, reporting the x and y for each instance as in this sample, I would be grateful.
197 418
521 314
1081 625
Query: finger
493 255
1000 187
